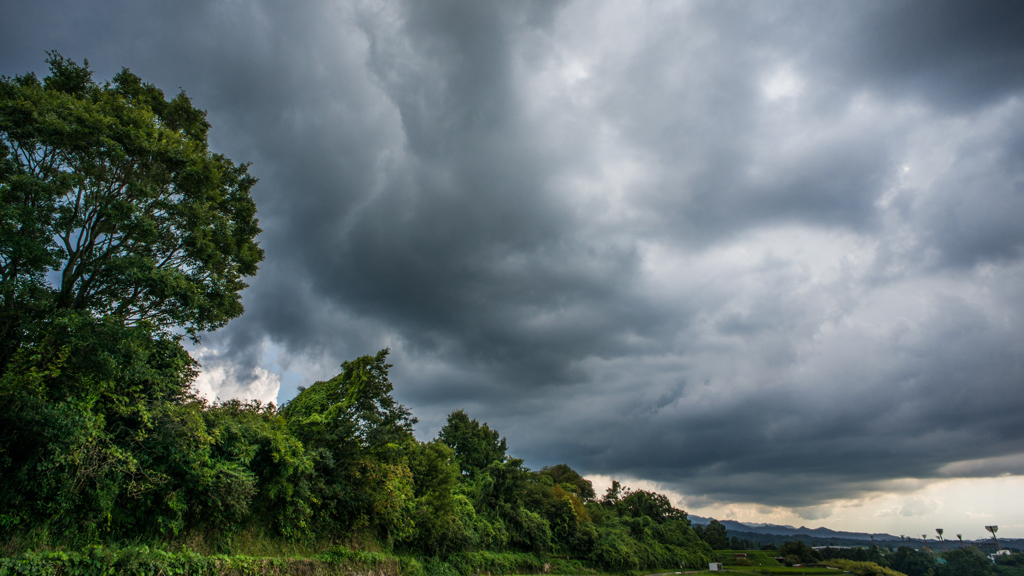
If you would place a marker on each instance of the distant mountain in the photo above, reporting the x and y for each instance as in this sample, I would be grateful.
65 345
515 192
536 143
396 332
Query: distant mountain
777 534
782 530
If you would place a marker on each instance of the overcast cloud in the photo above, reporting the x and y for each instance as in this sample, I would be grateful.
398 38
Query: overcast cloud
753 252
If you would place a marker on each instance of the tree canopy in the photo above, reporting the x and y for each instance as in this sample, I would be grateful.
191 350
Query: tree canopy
120 231
476 445
111 203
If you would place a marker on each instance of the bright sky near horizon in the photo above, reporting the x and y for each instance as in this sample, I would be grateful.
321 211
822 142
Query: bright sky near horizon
958 506
766 257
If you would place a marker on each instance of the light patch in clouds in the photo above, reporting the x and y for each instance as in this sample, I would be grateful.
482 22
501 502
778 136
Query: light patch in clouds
220 379
912 506
783 82
602 483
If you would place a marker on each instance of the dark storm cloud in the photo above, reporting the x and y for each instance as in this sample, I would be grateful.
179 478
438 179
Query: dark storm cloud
758 252
956 54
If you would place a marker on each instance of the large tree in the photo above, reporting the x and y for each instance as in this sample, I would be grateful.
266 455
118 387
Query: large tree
112 204
119 231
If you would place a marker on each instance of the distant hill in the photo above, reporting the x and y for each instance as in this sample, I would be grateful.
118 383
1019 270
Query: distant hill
782 530
777 534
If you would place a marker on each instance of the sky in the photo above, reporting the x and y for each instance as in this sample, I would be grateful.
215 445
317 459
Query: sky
765 257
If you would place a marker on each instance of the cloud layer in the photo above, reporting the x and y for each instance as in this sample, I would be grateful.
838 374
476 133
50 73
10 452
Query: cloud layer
754 252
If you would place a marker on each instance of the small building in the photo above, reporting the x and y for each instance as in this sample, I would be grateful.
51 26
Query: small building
992 556
716 567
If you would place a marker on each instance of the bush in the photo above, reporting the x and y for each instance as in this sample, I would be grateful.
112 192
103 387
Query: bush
965 562
468 563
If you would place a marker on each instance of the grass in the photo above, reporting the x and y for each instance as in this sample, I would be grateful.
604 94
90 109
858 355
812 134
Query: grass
763 558
764 570
777 570
762 562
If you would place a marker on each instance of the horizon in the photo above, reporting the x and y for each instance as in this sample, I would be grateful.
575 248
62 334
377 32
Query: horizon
843 520
766 259
889 537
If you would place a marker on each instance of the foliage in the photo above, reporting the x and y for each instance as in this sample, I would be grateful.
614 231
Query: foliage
964 562
82 407
354 431
641 503
863 568
468 563
1010 565
859 554
715 535
356 406
912 562
1015 559
639 530
569 480
1008 570
113 188
119 231
439 515
736 543
566 514
799 553
476 445
142 560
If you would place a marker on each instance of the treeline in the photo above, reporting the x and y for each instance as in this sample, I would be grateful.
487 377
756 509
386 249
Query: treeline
856 558
879 561
135 461
968 561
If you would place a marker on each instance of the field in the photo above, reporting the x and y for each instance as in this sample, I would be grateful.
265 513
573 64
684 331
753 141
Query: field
762 558
763 562
762 570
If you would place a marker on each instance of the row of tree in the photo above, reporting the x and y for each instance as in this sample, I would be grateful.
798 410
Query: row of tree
338 464
121 234
969 561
